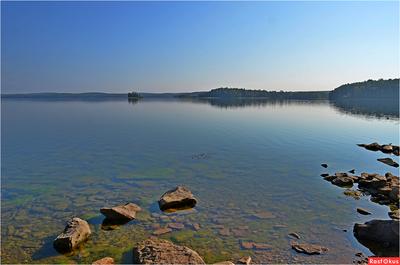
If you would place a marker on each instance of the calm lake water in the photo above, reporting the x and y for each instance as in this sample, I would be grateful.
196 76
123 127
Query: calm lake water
69 158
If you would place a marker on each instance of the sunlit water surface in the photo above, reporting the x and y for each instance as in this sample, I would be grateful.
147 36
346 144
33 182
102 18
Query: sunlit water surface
70 158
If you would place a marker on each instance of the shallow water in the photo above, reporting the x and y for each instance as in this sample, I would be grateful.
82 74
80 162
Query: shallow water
70 158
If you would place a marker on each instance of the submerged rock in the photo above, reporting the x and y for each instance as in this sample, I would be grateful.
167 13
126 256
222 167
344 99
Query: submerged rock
263 215
76 232
363 211
353 193
162 231
104 261
310 249
121 212
177 198
380 236
254 245
159 251
244 260
388 161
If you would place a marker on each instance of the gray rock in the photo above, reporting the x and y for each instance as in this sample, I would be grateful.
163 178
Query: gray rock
159 251
126 212
363 211
177 198
76 232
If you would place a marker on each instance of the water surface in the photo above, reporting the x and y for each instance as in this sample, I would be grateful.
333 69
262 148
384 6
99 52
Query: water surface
68 158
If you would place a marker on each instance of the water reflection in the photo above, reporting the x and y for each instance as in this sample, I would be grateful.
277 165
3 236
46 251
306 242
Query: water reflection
369 108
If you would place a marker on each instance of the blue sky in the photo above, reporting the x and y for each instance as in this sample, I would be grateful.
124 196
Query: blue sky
192 46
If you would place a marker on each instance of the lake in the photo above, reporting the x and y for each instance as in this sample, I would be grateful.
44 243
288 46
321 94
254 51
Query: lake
254 167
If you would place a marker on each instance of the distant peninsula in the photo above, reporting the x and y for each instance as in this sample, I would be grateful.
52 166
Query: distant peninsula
371 89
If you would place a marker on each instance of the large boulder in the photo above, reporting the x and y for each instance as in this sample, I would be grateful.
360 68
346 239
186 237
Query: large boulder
379 232
177 198
121 212
159 251
343 181
76 232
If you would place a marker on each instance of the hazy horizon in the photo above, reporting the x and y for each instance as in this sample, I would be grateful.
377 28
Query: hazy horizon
158 47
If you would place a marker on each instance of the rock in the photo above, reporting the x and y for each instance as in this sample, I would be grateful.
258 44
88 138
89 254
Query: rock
104 261
359 254
374 181
394 195
343 181
76 232
295 235
352 171
388 161
246 244
373 147
394 214
363 211
159 251
124 212
177 198
176 226
324 175
264 215
196 226
310 249
396 150
324 165
162 231
384 232
244 260
224 263
329 178
387 148
261 246
353 193
254 245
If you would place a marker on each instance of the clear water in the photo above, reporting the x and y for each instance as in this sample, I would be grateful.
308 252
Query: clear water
70 158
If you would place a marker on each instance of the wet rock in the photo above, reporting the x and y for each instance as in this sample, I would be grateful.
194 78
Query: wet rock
176 226
104 261
324 165
396 150
158 251
310 249
76 232
373 147
177 198
384 232
394 195
359 254
329 178
352 171
295 235
343 181
394 214
162 231
387 148
374 181
121 212
363 211
244 260
388 161
353 193
324 175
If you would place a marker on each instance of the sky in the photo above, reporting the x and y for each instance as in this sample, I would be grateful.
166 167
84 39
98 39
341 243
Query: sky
195 46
